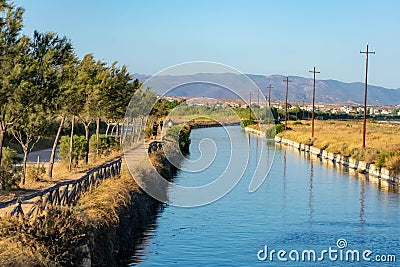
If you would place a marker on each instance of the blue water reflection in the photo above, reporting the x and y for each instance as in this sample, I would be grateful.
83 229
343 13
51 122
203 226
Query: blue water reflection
302 205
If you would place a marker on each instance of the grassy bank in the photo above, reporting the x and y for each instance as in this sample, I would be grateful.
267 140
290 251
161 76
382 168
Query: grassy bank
345 138
103 224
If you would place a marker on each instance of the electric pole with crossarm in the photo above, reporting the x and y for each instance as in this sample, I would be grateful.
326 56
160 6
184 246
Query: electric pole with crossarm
250 106
269 95
286 107
365 93
313 101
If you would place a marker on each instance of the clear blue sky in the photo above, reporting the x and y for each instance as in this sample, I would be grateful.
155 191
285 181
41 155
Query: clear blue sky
260 37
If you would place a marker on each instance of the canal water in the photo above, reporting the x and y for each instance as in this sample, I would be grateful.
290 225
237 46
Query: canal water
302 207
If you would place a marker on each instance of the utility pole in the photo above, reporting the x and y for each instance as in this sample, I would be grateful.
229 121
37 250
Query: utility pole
286 106
313 100
250 106
258 103
269 95
269 87
365 93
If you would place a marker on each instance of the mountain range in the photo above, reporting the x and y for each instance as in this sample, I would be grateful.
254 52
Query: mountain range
300 88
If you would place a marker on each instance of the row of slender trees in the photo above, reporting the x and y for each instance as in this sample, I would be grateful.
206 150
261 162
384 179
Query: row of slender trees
42 81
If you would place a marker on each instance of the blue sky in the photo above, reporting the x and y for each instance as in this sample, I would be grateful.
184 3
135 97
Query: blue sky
259 37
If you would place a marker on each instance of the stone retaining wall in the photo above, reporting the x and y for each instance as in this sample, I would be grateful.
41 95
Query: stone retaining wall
360 166
254 131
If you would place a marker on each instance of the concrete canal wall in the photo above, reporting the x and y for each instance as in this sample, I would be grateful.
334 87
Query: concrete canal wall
254 131
345 161
360 166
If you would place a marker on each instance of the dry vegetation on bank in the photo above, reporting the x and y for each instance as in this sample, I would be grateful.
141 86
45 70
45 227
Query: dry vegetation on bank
345 138
56 237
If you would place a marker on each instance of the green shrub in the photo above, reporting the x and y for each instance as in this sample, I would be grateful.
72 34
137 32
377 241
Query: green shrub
9 158
358 154
297 122
9 177
35 174
381 159
388 159
271 132
181 134
106 145
246 123
79 149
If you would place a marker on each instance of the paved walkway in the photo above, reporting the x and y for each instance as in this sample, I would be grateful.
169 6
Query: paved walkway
44 155
134 156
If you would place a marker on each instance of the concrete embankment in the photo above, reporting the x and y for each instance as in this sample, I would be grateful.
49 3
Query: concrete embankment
345 161
254 131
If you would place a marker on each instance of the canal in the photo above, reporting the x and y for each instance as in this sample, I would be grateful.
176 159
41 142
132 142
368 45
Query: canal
302 207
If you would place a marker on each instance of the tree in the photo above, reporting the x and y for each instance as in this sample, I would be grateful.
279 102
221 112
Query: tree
54 64
89 80
13 48
28 130
140 107
117 94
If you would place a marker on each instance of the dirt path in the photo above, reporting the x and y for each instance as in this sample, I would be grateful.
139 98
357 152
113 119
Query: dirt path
135 155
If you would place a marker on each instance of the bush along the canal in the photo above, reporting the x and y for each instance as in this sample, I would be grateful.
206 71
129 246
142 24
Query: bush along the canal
100 230
271 132
246 123
181 134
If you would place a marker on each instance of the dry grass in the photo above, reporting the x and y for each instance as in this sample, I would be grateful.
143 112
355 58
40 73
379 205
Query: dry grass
61 172
55 238
102 205
345 137
259 127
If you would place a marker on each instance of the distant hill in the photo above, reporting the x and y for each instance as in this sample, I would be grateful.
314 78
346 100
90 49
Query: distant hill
300 89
